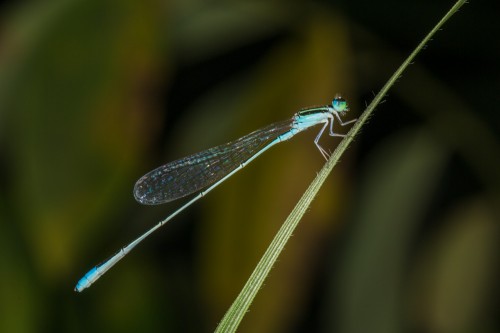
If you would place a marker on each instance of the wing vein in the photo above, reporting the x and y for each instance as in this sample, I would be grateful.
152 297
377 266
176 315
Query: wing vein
190 174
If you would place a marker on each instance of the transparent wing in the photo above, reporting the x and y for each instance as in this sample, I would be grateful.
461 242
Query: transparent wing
195 172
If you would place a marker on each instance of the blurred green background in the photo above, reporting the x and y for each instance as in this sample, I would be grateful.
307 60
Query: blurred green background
403 237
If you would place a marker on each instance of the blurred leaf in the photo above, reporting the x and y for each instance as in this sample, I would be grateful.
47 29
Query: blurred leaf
396 190
457 270
74 114
206 29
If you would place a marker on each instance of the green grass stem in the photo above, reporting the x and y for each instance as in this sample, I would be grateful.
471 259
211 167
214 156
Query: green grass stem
241 304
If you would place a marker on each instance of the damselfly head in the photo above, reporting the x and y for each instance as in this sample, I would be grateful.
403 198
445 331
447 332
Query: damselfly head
339 104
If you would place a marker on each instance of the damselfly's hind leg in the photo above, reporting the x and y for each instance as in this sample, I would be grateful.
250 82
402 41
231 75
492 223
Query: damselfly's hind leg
332 133
316 142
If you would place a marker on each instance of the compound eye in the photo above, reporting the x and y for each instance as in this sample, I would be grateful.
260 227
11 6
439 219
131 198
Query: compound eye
339 104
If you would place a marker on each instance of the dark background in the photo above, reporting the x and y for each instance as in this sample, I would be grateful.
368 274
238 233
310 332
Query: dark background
402 238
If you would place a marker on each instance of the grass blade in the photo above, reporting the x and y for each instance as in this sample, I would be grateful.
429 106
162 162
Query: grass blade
240 306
